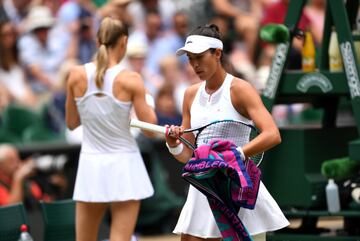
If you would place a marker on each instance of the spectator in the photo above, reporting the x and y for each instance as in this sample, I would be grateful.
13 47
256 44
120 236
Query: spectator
190 78
117 9
55 111
139 9
169 43
170 70
42 49
136 56
165 107
276 13
315 12
12 77
243 16
16 11
77 19
15 185
151 33
3 16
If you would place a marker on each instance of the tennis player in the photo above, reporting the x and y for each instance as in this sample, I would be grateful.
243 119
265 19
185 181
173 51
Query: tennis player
111 171
222 96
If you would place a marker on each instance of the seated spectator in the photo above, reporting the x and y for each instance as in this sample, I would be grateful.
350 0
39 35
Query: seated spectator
117 9
15 185
190 78
136 56
42 49
16 11
165 107
151 32
315 12
139 9
55 111
76 17
26 181
243 17
276 13
169 42
15 88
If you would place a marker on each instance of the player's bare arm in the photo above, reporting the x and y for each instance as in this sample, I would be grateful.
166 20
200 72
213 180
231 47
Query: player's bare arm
74 88
134 87
248 103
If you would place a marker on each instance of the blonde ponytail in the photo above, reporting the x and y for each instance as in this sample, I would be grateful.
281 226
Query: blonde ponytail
109 32
102 62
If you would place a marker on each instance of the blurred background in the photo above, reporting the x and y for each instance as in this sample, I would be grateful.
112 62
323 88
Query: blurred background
41 40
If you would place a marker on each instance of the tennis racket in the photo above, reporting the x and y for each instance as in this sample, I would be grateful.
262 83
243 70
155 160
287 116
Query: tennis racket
236 131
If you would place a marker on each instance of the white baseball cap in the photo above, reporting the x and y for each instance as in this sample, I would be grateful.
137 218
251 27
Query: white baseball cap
197 44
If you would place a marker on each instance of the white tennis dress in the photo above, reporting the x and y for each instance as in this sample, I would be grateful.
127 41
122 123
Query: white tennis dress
196 217
110 166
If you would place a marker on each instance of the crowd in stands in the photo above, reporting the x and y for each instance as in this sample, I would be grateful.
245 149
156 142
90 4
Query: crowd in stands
41 40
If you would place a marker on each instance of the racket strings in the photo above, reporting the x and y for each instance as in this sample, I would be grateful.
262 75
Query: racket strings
236 132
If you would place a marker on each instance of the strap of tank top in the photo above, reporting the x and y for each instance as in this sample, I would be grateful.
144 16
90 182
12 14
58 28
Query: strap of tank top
227 84
111 75
90 69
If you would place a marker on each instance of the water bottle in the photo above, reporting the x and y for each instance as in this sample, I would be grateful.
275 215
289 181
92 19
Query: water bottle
332 196
335 59
25 235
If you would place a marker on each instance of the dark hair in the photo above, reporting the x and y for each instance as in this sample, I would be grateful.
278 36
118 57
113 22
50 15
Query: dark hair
208 30
4 61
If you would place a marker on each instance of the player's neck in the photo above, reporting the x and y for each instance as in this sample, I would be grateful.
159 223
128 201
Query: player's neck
215 82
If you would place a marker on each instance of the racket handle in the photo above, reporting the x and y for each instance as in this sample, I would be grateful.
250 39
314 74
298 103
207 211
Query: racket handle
149 127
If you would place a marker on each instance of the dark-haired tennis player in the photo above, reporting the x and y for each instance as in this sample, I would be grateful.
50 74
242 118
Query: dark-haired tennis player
222 96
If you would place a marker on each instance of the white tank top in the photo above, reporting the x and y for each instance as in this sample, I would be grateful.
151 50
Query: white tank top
218 106
105 119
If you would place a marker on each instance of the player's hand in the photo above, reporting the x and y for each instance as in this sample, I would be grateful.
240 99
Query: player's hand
174 133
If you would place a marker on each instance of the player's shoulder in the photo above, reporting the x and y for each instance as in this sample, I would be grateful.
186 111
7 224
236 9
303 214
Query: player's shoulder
192 89
241 85
77 73
128 77
128 74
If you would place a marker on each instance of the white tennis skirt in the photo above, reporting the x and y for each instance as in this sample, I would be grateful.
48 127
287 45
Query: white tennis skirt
112 177
196 217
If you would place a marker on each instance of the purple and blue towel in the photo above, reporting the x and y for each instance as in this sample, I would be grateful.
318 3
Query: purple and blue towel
228 182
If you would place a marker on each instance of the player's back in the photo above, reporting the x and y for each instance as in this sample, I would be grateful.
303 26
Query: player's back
105 119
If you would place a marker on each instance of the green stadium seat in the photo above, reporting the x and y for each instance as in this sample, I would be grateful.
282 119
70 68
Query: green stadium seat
8 137
11 219
17 118
59 220
38 133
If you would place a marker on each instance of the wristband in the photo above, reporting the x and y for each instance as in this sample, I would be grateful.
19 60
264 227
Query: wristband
241 152
175 150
